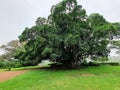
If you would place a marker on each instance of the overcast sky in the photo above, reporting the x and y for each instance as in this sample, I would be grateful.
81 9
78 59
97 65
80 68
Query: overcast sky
15 15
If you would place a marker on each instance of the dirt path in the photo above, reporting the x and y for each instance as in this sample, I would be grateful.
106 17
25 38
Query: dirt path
10 74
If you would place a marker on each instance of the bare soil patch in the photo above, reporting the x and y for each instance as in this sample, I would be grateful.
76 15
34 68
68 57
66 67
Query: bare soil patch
84 75
88 75
10 74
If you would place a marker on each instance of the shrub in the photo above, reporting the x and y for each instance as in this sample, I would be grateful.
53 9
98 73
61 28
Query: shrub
114 64
29 63
17 64
8 64
111 63
1 64
11 64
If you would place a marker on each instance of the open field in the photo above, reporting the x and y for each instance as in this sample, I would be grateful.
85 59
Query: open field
89 78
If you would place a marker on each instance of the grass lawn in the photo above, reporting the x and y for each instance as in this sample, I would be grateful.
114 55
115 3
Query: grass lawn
90 78
24 68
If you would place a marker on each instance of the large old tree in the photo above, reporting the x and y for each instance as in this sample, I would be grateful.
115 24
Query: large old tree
68 36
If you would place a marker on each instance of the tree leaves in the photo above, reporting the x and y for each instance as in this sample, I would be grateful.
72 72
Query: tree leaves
69 36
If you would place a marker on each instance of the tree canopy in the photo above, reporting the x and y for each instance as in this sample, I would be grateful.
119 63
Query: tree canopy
68 36
10 49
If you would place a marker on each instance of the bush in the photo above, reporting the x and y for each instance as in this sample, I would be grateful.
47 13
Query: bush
90 64
1 64
111 63
8 64
17 64
94 64
11 64
114 64
55 65
29 63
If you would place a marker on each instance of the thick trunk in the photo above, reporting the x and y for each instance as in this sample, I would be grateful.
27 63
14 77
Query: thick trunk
74 61
74 65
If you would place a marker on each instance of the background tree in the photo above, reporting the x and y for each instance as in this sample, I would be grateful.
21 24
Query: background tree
10 50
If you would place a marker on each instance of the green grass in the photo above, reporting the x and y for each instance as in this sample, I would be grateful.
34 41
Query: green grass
25 68
90 78
2 70
20 68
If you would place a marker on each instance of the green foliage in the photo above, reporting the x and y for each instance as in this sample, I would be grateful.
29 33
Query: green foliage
7 58
68 36
17 64
1 64
97 20
8 64
111 64
115 44
100 59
